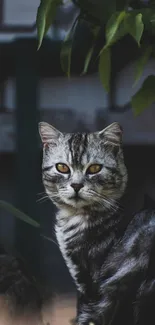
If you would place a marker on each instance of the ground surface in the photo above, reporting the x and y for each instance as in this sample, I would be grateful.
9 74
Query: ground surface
59 312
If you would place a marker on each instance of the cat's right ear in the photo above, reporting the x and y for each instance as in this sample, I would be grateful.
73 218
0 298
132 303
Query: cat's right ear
112 134
48 133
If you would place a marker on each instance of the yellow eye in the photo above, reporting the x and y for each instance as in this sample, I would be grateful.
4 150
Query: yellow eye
63 168
94 169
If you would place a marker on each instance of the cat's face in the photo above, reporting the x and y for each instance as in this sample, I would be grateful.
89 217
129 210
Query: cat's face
82 170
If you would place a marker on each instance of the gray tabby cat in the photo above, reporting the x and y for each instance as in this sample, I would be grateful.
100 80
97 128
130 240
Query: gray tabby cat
110 260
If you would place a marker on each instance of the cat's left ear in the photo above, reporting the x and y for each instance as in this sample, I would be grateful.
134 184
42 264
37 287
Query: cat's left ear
112 134
48 133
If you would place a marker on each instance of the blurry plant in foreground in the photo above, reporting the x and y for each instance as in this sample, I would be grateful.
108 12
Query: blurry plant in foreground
111 21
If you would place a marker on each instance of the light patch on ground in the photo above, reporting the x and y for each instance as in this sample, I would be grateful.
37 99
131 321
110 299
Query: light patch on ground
60 311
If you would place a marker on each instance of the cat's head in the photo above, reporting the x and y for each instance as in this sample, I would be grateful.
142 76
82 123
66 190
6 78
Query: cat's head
83 169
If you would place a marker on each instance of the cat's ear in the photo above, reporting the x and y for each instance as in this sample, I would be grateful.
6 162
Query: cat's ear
48 133
112 134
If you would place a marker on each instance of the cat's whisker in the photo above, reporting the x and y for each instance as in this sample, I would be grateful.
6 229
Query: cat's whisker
102 200
107 202
41 193
42 199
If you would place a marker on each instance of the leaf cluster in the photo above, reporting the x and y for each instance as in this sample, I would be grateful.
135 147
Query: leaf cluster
117 18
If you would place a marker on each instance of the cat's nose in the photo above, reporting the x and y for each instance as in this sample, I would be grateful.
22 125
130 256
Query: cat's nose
77 186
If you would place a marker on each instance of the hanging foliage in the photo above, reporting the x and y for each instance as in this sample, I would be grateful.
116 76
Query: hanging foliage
118 18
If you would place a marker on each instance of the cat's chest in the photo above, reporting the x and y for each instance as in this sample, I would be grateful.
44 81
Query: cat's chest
70 237
69 228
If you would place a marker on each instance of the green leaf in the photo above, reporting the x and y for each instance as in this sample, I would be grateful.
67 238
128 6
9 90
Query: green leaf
66 50
95 32
140 65
112 27
45 17
87 60
97 10
148 17
18 214
152 19
105 68
135 26
145 96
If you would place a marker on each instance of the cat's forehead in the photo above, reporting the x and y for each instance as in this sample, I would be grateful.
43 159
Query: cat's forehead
83 147
78 148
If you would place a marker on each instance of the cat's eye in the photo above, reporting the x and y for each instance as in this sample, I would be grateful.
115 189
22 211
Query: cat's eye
62 168
94 169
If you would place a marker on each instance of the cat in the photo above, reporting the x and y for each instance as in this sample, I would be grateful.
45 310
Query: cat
110 259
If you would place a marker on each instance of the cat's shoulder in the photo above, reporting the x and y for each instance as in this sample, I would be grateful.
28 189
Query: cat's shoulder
140 232
142 221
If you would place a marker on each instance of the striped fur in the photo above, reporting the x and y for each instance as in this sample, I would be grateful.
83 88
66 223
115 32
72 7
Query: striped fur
110 261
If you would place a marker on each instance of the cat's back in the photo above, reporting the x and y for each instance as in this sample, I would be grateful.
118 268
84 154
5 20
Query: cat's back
142 220
140 233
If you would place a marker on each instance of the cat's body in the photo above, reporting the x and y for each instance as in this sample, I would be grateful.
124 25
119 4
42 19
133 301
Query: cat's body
108 269
110 260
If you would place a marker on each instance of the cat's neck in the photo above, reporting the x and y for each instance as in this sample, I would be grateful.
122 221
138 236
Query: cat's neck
89 217
84 233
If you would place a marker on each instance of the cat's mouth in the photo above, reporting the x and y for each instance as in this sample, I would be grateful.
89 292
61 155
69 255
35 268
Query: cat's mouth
76 201
76 197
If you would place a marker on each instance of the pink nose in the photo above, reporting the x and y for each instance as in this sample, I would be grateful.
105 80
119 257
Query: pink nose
77 186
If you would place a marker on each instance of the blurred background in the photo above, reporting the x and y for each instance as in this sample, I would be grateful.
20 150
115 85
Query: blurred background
33 88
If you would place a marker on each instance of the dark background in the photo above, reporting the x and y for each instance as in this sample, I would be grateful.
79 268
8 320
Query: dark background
20 168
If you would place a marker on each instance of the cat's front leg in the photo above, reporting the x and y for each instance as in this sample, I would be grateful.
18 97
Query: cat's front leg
97 312
87 315
100 311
